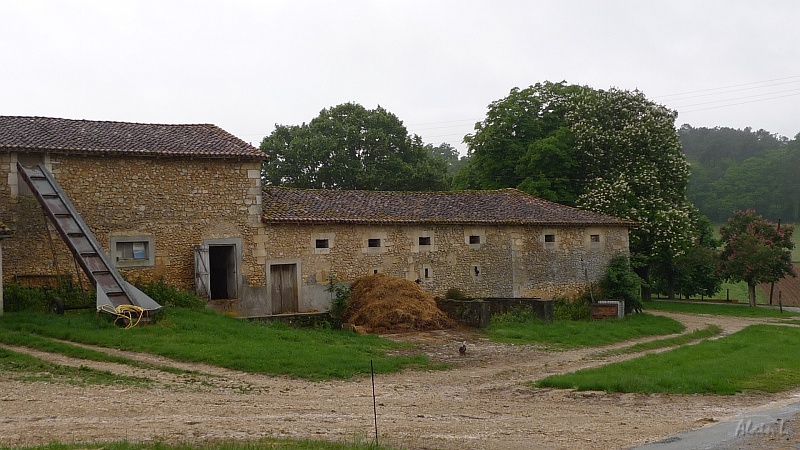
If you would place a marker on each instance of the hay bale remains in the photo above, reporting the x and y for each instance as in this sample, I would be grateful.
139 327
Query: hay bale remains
381 303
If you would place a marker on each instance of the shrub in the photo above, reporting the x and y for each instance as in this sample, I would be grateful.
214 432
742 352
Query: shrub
454 294
518 314
577 309
621 283
22 298
340 293
168 295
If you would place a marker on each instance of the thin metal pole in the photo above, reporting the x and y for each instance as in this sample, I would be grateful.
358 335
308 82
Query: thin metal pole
374 404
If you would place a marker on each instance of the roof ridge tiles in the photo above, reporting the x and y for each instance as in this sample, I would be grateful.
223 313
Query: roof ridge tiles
35 133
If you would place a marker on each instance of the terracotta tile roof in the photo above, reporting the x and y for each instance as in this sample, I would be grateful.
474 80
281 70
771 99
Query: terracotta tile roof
505 206
97 137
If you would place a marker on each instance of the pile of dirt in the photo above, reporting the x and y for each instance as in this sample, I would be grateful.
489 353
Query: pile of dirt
381 303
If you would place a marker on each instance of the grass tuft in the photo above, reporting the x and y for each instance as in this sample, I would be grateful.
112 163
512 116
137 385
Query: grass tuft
719 309
565 334
696 335
755 358
23 367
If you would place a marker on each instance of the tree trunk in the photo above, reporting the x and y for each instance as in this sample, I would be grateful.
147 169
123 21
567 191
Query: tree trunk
751 293
644 274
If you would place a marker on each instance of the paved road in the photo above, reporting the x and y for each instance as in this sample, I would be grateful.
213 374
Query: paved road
753 430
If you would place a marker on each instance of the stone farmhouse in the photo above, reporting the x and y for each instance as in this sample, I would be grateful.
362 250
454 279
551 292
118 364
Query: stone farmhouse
163 200
185 203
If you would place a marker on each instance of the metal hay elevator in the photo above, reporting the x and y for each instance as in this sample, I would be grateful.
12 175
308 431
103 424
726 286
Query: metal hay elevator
113 292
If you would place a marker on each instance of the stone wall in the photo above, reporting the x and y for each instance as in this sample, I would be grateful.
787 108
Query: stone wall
502 261
176 202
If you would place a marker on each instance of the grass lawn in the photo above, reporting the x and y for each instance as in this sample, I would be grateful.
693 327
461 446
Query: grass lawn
208 337
760 357
720 309
564 334
263 444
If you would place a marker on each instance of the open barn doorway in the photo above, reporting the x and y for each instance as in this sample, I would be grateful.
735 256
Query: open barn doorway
222 262
217 268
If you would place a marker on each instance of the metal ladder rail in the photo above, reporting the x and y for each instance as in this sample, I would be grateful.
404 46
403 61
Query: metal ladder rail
76 234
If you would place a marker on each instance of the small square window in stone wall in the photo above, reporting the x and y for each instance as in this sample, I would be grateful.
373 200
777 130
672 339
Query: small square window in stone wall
424 240
132 251
373 243
474 239
321 243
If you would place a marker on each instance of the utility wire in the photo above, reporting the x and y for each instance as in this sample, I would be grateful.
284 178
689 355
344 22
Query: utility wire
745 97
728 87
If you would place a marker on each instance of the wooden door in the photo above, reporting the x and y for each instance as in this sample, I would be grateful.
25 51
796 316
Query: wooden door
283 278
202 274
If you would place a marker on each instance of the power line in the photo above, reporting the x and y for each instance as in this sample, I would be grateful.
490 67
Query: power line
437 123
740 103
735 90
728 87
742 98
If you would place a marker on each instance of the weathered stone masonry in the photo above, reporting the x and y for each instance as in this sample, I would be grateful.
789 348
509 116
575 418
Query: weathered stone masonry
178 201
511 261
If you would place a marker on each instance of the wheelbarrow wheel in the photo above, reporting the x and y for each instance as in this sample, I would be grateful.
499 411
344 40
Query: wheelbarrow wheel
56 306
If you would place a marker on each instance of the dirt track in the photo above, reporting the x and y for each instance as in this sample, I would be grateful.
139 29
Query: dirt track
483 402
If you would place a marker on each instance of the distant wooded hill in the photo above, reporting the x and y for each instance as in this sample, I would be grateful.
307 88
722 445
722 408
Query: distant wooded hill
743 169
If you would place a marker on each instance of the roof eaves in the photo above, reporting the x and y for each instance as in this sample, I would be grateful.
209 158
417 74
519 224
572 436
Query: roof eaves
117 152
360 221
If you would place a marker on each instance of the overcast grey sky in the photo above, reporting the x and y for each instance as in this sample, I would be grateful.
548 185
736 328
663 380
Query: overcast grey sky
247 65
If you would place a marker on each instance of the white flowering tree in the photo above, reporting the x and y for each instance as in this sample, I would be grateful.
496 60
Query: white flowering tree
612 151
635 169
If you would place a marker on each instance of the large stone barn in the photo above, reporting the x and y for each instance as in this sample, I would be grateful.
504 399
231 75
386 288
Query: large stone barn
502 243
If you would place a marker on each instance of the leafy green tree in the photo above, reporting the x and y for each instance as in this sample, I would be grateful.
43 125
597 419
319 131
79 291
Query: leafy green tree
551 168
620 282
351 147
524 143
694 271
756 251
711 146
741 169
446 153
